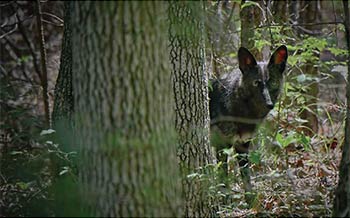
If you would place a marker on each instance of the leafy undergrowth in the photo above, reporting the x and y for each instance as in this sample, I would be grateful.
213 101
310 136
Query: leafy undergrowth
28 176
25 178
303 189
291 181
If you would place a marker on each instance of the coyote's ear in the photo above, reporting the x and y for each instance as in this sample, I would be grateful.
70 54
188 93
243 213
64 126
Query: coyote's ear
245 59
279 56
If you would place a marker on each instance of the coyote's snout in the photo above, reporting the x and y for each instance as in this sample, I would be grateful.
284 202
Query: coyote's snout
240 100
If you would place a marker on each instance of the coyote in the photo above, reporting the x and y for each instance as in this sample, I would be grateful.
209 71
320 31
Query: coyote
239 101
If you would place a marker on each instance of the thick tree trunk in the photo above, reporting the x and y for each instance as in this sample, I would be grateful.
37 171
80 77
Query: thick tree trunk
342 194
190 84
123 109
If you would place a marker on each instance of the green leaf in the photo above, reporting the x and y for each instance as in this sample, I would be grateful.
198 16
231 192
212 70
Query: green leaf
210 86
65 170
285 141
22 185
289 139
337 51
249 3
16 152
259 44
255 157
227 151
233 55
305 140
47 132
292 60
193 175
24 58
279 139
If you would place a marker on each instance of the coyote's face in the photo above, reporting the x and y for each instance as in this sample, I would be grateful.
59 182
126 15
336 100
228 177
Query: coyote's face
261 82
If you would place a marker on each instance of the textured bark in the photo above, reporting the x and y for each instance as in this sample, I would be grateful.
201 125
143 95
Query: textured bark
250 18
123 109
342 193
64 105
191 102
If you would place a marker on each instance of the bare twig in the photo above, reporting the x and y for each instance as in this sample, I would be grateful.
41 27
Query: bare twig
43 66
5 4
52 23
300 24
3 70
53 16
6 23
9 32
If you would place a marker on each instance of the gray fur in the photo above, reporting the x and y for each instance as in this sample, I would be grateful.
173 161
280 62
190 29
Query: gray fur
240 100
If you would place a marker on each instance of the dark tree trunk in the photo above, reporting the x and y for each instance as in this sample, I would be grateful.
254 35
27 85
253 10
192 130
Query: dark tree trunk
64 105
342 194
190 84
123 109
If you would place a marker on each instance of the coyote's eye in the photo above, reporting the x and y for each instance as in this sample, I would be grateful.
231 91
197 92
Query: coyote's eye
256 82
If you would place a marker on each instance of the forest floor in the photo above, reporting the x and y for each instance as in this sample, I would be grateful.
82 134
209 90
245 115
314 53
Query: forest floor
297 184
292 182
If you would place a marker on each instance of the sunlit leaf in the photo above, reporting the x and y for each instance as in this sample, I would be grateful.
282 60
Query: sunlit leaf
16 152
22 185
47 132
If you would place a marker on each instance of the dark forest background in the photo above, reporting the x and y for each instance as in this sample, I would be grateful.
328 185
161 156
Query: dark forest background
297 150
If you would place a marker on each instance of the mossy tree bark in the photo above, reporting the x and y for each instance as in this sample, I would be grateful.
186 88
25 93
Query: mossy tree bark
190 84
123 110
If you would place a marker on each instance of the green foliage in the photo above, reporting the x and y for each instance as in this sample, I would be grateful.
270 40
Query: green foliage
36 173
255 157
210 86
337 51
288 160
293 138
